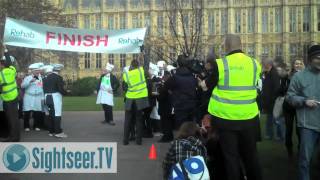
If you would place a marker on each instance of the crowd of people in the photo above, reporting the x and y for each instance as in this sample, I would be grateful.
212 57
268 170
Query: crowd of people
38 94
217 110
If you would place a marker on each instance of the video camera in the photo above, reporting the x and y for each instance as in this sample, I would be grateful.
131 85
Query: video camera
196 66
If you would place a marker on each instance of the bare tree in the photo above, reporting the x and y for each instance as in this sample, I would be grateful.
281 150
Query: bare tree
183 22
38 11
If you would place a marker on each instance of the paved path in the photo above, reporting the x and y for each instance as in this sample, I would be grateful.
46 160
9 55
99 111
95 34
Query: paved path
133 163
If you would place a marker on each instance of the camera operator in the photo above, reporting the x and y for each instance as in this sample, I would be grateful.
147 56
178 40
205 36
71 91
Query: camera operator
183 86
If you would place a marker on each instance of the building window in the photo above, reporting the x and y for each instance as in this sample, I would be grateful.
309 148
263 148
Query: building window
135 21
160 25
278 20
135 3
211 24
122 60
278 50
251 50
251 15
159 3
147 22
186 23
224 21
110 3
293 49
293 19
135 56
160 53
111 58
306 19
318 18
98 21
265 21
147 3
110 22
122 21
87 60
238 21
172 53
98 61
265 50
86 21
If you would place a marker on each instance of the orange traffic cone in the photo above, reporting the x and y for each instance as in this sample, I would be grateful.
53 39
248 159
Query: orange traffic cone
153 153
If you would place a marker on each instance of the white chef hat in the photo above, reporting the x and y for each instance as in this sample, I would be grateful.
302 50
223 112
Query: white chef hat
11 58
161 64
57 67
126 69
47 68
109 67
153 69
36 66
170 68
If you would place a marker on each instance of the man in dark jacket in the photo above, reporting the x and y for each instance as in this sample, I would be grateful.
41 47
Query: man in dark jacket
54 90
107 86
270 89
183 86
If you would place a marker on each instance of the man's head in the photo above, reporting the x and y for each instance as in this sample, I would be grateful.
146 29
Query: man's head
267 64
182 60
314 57
109 68
232 42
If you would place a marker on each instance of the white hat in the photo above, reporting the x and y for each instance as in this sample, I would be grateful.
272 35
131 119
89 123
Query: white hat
170 68
35 66
11 58
153 69
126 69
57 67
109 67
161 64
47 68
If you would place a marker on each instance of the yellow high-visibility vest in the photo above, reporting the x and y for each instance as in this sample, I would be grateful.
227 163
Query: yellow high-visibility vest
8 82
137 86
234 97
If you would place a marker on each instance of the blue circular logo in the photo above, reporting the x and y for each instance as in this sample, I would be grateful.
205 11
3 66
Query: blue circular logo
16 157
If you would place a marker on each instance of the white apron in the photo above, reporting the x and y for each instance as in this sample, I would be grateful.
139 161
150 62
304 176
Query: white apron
105 94
33 96
57 103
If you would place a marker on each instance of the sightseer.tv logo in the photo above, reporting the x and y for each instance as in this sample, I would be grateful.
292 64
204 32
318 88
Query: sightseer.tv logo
58 157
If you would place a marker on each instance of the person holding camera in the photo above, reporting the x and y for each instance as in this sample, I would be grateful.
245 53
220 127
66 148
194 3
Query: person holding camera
9 96
183 86
33 97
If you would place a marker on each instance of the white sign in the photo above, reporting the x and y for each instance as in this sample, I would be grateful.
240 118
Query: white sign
32 35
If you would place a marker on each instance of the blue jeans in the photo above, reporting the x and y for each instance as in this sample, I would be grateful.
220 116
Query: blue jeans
309 140
270 126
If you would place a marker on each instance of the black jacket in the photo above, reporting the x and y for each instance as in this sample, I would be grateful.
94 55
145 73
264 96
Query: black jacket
114 83
270 90
184 86
53 83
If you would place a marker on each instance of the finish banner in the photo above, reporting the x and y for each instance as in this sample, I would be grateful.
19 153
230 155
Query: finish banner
32 35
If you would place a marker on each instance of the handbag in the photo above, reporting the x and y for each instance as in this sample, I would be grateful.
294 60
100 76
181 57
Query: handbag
278 107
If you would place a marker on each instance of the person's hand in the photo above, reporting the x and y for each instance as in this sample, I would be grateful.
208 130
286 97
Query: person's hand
311 103
33 80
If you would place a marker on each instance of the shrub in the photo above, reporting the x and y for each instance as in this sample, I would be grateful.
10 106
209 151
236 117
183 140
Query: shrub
84 87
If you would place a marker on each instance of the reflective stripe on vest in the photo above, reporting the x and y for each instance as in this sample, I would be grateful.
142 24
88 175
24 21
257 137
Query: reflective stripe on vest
228 101
226 85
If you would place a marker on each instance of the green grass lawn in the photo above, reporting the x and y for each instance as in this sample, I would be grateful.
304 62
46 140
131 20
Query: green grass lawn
88 104
273 156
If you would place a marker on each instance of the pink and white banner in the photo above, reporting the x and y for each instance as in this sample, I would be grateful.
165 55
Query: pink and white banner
33 35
